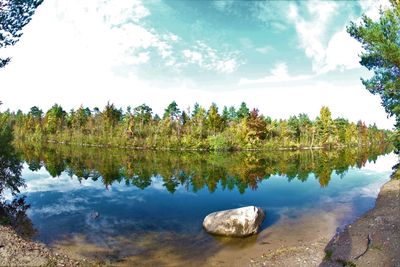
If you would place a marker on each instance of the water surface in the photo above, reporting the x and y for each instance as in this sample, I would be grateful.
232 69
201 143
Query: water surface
115 204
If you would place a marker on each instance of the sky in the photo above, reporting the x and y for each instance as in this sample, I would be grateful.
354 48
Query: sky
282 57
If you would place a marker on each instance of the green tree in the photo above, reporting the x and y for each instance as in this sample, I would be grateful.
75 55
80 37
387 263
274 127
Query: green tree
294 127
81 118
232 113
306 129
172 111
196 109
143 115
35 116
14 15
54 119
381 53
243 111
341 125
36 112
225 114
214 120
185 118
197 127
325 125
110 116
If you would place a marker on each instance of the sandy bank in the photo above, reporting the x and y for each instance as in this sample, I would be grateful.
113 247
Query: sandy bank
16 251
374 239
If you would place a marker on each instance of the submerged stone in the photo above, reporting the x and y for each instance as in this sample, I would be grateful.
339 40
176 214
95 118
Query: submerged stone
239 222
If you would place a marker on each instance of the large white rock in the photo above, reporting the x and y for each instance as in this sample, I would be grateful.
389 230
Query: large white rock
236 222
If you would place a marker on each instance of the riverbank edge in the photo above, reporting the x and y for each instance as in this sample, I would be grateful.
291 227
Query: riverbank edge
188 149
18 251
381 225
374 238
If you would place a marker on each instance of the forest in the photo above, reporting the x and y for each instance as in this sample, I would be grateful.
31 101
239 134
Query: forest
196 128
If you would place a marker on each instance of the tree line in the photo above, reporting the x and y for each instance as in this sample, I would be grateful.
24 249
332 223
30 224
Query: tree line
193 128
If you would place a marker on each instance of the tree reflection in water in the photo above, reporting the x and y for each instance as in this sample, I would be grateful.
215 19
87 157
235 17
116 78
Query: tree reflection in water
195 170
12 213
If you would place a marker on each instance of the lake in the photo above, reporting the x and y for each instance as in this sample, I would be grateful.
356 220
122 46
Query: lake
148 206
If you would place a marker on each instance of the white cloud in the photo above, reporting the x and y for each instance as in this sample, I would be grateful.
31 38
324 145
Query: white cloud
226 65
223 5
57 209
371 7
383 164
312 30
264 49
270 13
340 52
278 74
41 181
210 59
89 35
193 56
343 50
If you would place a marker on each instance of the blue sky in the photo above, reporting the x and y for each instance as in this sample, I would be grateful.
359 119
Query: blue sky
284 57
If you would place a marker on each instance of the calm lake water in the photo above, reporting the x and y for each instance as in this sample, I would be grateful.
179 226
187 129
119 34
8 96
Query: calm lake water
124 203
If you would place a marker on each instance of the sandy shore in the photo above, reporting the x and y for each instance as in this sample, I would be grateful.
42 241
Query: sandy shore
349 248
16 251
309 243
374 239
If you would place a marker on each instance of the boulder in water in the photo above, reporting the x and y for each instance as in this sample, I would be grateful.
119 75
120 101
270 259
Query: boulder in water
239 222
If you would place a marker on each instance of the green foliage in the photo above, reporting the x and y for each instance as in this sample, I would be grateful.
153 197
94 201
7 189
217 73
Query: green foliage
325 126
243 111
110 117
214 120
172 111
196 109
328 255
381 42
221 141
199 129
55 119
14 15
36 112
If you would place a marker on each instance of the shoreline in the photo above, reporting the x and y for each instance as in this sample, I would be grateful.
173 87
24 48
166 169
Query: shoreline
381 223
17 251
188 149
349 247
374 238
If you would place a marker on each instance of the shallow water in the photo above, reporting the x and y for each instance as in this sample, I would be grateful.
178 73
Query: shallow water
114 204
